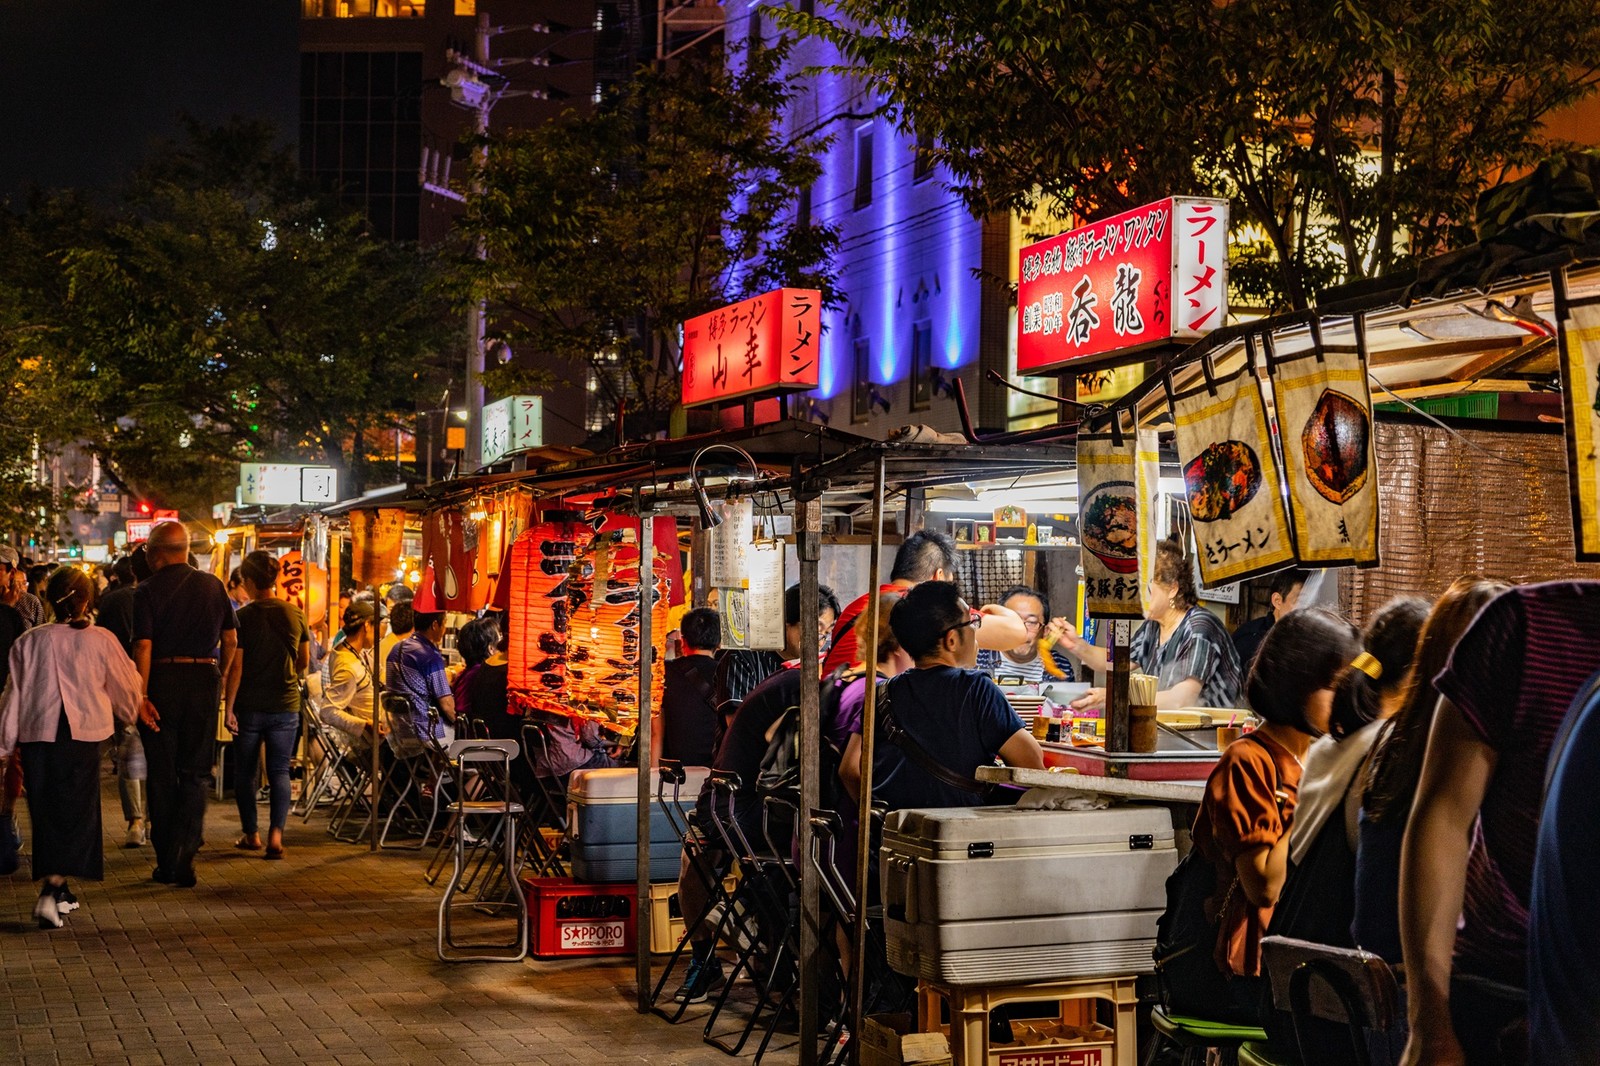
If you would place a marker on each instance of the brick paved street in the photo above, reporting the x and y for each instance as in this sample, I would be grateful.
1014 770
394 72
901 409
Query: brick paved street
327 957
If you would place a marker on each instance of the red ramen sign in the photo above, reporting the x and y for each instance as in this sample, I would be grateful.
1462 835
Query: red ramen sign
766 344
1153 274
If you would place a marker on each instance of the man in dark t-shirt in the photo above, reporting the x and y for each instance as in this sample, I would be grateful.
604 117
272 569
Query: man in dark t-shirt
688 715
182 620
953 712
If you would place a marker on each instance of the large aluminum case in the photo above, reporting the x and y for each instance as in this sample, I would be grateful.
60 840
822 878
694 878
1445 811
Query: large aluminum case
602 823
998 895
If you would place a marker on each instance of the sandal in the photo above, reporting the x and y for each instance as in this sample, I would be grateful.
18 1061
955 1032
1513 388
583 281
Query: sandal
274 853
244 843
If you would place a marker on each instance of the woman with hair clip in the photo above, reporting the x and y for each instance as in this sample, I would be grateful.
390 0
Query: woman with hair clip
71 684
1391 775
1184 645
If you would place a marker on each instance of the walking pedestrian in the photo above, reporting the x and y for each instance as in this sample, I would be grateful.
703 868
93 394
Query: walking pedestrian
263 698
70 684
114 612
182 624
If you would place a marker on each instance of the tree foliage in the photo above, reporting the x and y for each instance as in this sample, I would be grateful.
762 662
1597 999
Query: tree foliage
223 312
604 232
1350 136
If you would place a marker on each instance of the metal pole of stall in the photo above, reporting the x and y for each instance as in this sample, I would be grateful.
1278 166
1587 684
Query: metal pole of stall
377 708
808 546
863 842
641 749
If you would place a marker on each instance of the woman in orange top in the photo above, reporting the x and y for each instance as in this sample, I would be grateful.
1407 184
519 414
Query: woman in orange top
1243 825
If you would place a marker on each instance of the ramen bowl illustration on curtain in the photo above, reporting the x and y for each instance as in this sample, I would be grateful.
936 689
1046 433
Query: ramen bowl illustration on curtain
1109 526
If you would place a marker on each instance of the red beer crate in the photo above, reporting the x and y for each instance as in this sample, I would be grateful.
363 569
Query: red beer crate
569 919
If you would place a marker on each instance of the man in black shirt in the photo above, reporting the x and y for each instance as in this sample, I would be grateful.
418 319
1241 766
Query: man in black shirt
1247 639
181 620
688 730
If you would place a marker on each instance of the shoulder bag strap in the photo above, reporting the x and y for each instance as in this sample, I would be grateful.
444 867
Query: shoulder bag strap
892 731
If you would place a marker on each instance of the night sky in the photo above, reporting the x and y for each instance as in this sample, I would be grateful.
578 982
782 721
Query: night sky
87 85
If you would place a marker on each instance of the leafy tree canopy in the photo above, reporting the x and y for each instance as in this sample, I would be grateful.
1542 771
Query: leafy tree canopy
223 312
1349 136
603 233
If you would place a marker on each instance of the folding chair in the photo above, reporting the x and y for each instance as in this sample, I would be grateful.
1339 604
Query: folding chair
481 755
1344 1002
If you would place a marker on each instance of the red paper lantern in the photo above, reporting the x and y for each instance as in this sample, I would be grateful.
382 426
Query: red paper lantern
538 613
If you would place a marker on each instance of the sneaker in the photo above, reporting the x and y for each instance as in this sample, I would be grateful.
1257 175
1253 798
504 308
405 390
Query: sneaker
137 836
66 902
704 977
46 910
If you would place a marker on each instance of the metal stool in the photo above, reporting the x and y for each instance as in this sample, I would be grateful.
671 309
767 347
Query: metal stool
482 755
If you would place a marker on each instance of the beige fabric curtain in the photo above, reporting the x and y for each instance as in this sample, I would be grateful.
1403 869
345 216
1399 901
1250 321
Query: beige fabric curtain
1448 510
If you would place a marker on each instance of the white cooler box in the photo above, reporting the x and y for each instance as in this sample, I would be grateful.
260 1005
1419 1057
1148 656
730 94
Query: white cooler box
997 895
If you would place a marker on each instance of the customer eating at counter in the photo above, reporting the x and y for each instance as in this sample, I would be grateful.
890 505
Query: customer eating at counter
1026 662
925 555
1181 643
1242 830
951 714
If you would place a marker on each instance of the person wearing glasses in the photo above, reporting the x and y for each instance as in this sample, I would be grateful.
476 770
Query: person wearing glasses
948 710
1025 664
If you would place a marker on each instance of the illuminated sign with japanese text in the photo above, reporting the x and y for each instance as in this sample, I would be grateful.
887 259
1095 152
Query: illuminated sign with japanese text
766 344
1153 274
278 484
513 424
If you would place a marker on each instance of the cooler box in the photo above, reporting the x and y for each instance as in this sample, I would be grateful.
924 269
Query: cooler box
569 920
602 823
997 895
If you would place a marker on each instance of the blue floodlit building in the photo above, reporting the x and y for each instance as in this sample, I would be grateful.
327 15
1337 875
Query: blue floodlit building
915 315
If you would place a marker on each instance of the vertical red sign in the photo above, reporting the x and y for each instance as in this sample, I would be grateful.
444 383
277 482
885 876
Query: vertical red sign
1136 279
766 344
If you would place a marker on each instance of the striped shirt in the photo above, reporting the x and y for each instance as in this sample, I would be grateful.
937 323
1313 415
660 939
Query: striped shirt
1513 676
1199 648
1002 667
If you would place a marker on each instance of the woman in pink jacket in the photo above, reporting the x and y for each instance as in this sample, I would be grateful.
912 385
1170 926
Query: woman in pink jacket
71 684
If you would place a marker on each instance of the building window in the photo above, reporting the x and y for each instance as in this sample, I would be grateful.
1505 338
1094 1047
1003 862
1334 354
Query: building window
753 39
921 365
802 206
864 167
361 133
861 394
466 7
368 9
922 162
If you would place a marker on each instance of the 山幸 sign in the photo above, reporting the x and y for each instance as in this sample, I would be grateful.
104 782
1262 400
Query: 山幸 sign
1153 274
767 344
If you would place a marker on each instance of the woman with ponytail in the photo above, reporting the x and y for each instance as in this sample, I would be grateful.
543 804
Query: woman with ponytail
71 684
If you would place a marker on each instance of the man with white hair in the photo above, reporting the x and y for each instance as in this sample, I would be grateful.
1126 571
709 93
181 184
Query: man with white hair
183 624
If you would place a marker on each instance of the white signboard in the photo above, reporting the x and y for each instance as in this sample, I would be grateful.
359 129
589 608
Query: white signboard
730 541
514 424
279 484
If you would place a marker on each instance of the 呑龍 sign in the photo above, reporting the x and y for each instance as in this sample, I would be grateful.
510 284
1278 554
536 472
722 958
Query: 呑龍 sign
1153 274
514 424
766 344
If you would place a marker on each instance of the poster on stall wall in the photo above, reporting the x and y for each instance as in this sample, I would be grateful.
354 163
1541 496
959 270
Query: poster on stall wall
752 616
1231 478
375 538
729 544
1152 510
1108 524
452 577
1580 388
1324 412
